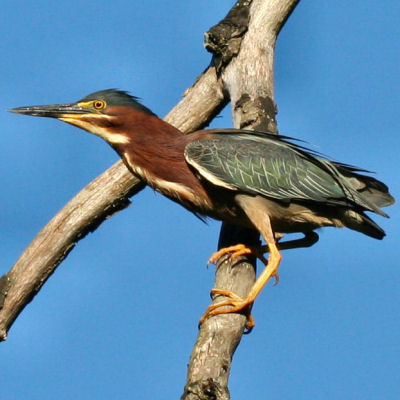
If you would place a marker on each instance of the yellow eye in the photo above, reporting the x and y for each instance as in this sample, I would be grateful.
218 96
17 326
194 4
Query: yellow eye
99 104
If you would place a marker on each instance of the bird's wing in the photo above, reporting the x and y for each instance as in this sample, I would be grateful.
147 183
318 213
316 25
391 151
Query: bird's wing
267 165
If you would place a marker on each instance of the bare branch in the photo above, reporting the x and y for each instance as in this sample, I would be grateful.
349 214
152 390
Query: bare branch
248 80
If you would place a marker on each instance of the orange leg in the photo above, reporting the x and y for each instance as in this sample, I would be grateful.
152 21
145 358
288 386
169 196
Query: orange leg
258 213
238 250
235 302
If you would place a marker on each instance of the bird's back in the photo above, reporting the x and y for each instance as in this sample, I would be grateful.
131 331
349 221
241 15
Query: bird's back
274 167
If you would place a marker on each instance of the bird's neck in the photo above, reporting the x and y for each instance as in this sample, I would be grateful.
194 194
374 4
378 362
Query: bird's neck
155 153
154 146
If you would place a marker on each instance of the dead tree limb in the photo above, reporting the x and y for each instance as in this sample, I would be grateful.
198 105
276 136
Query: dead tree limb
243 45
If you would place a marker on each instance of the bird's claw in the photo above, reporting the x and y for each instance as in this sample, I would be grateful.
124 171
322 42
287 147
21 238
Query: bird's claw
241 250
236 251
236 304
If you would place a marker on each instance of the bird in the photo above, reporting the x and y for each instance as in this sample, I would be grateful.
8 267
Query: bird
254 179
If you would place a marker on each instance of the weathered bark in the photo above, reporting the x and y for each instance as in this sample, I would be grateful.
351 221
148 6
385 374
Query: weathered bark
244 61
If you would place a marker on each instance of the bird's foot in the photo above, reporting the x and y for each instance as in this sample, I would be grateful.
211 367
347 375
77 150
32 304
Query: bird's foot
241 250
236 251
235 304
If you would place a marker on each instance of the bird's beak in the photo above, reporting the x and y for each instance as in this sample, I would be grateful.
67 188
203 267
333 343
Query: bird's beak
52 110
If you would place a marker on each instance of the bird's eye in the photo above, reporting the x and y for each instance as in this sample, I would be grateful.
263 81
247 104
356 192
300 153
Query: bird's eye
99 104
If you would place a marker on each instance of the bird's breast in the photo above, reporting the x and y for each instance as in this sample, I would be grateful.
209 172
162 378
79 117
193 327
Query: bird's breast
175 190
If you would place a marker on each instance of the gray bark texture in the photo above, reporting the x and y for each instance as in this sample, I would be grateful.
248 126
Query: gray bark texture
243 46
241 72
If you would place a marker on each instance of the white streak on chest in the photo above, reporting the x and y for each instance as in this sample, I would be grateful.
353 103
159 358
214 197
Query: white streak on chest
170 189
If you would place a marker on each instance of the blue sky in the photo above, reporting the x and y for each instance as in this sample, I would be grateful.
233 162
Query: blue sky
119 319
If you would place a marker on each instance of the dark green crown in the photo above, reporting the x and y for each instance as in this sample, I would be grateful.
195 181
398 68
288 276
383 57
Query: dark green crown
114 97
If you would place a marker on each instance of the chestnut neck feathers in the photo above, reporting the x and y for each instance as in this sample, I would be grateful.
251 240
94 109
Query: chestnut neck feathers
154 151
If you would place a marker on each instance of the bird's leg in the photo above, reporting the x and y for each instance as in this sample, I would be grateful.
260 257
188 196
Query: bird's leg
309 239
234 303
237 303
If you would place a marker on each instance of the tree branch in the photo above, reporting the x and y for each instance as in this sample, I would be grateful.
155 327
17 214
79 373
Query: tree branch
245 64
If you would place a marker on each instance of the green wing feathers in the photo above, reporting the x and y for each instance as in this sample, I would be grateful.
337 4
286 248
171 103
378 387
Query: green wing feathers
271 166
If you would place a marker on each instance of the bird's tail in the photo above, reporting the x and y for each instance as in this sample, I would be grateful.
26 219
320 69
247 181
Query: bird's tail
360 222
367 192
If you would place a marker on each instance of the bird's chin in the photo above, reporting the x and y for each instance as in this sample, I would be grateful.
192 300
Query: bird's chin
71 119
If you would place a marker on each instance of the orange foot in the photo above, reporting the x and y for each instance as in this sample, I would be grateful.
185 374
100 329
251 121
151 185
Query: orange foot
235 304
241 250
237 251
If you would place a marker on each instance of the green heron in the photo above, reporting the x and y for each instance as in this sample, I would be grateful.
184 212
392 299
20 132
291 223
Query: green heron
248 178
